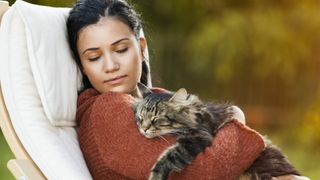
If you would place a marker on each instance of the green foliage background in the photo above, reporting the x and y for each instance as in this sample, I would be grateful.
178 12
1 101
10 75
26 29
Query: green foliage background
263 55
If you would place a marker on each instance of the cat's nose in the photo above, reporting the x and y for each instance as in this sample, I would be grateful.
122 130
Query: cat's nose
145 127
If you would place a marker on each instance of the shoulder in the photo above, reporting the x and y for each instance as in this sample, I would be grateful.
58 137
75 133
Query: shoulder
92 95
86 95
91 102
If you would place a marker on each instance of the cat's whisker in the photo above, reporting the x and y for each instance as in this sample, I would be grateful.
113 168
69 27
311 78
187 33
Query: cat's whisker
164 139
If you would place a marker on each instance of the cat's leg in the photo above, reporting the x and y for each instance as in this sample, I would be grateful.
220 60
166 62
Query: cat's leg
182 153
173 158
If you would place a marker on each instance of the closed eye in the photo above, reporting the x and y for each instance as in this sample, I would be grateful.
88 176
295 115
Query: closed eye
94 58
162 122
122 50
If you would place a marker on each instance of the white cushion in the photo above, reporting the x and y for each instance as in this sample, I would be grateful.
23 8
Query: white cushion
55 73
54 149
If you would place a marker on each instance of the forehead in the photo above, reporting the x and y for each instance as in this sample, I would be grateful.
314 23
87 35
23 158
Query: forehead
107 30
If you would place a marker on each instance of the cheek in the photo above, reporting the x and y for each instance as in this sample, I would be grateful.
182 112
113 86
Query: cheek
86 67
133 63
90 72
87 70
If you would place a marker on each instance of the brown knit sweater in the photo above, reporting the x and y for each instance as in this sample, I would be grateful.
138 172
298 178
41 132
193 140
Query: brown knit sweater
114 149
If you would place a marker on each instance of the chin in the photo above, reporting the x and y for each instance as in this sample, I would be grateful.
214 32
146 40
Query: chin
120 89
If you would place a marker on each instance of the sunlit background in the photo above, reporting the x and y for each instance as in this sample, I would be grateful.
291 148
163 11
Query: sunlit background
262 55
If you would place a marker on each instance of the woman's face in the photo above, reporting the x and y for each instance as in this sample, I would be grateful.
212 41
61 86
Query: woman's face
111 56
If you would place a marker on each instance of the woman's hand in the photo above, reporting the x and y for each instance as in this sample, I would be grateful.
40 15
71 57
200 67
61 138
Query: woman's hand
238 114
290 177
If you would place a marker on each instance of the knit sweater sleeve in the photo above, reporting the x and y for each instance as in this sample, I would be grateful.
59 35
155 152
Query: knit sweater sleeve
114 149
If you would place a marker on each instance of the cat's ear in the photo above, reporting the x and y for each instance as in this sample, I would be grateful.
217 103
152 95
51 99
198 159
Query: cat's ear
180 96
144 90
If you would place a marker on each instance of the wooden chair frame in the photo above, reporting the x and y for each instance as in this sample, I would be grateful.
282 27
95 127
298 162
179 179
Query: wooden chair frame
22 167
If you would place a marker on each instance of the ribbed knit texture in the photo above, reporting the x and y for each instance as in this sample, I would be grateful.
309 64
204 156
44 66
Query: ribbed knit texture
114 149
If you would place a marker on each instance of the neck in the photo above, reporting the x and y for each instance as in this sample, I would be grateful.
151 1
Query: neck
136 93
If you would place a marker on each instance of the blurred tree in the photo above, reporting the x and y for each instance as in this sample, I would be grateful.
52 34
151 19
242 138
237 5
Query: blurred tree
54 3
263 55
255 53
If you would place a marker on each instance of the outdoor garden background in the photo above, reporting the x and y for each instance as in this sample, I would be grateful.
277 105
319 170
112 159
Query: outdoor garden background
262 55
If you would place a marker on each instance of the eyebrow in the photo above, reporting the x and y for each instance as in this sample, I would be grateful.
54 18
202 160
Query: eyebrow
114 43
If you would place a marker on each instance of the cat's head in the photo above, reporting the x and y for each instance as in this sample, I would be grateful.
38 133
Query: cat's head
166 112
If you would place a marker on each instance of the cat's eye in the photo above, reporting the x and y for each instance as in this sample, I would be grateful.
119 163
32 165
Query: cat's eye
161 122
151 117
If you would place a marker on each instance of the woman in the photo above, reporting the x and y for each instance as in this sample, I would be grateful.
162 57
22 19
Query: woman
105 39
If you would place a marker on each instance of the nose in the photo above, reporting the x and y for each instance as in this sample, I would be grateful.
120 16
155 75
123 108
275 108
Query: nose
110 64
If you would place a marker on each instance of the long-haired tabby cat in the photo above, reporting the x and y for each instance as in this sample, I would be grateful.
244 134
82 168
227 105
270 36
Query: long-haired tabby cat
195 123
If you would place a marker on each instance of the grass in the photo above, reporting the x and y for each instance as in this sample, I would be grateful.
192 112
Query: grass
5 156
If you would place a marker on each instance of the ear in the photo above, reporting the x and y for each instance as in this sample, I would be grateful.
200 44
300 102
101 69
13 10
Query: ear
180 96
143 45
144 90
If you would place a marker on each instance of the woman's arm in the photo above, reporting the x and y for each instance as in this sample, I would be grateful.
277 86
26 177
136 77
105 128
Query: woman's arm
239 115
113 147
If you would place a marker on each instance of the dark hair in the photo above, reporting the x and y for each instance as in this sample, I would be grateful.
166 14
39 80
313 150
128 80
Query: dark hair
88 12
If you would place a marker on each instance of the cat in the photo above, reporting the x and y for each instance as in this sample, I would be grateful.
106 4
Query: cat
195 123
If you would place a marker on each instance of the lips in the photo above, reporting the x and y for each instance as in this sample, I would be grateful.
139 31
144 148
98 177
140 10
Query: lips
115 80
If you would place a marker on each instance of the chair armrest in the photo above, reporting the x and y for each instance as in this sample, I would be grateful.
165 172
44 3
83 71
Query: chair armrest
24 169
4 6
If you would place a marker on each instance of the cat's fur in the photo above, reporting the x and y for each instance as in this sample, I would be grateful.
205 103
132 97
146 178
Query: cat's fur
195 123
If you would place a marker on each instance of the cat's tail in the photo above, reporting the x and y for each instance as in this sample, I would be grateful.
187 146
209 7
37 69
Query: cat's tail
270 163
